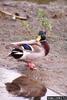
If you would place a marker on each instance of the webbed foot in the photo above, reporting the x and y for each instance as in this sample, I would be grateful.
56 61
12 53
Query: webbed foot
31 66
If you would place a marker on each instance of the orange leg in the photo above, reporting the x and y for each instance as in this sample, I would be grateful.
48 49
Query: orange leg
31 65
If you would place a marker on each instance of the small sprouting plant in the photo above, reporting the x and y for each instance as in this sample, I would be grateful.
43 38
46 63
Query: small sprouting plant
44 21
40 13
25 24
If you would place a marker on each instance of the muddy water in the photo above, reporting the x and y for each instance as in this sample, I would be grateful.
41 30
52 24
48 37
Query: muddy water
9 75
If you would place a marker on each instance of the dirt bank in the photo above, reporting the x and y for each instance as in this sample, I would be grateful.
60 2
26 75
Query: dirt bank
52 69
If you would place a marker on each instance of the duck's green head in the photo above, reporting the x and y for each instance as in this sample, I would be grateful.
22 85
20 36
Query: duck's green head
42 39
41 36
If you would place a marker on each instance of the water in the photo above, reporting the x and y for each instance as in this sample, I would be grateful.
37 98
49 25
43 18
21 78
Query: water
8 76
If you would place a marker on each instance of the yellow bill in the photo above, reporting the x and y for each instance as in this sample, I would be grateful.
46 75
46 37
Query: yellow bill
38 38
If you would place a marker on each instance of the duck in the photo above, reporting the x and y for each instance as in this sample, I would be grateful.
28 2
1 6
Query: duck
30 50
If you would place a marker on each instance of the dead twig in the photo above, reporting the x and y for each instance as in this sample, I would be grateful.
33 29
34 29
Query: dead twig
14 16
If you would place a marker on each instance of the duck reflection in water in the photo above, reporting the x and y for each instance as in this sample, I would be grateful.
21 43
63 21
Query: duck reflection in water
26 87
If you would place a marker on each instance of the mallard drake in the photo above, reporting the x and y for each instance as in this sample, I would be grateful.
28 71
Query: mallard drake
28 51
